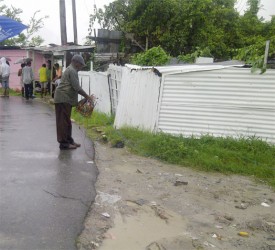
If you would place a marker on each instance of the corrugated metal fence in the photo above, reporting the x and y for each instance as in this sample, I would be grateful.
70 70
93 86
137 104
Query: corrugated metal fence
226 101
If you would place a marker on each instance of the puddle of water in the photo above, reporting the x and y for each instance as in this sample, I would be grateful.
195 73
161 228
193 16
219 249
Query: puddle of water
137 232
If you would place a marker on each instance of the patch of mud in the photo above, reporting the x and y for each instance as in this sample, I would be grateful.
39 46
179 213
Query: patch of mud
148 225
145 204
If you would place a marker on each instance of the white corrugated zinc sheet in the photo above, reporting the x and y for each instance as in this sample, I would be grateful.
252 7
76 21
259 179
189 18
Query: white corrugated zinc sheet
138 100
222 102
96 83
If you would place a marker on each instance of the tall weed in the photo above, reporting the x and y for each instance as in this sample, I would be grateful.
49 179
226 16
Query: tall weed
245 156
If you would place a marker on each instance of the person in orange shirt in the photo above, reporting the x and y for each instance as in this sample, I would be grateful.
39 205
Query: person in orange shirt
57 77
58 72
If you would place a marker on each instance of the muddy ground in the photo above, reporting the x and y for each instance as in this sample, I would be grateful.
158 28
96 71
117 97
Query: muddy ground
145 204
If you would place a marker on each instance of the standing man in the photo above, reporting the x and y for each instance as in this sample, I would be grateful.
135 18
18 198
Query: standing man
66 97
5 73
27 76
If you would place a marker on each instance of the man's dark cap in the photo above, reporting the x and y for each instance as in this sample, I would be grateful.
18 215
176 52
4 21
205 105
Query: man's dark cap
79 59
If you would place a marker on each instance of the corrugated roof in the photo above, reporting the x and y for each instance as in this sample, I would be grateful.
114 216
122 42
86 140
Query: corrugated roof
54 49
176 69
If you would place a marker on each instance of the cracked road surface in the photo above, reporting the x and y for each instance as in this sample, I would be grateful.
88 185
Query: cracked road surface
45 193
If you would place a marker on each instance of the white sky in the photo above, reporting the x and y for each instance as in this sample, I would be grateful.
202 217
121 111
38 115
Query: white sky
51 30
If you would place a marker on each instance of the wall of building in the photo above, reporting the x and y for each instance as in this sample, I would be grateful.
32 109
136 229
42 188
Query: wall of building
17 54
37 61
14 55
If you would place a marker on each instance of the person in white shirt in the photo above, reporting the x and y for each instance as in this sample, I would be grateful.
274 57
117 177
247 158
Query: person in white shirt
5 73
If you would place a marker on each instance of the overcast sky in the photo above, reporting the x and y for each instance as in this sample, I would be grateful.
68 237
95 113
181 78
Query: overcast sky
51 30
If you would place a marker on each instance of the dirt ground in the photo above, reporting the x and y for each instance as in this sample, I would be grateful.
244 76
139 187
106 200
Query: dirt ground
143 203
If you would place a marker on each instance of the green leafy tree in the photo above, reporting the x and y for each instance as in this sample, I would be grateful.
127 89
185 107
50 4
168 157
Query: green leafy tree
255 32
188 28
251 27
153 57
178 26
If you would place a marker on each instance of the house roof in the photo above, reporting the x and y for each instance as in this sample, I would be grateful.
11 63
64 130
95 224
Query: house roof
57 49
5 47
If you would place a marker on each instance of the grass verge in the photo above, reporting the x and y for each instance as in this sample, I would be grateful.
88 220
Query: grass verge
244 156
12 92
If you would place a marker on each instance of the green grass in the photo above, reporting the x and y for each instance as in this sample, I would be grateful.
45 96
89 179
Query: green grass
244 156
12 92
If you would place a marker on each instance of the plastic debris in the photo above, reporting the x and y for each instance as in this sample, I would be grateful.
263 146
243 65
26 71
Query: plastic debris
242 206
208 244
243 234
106 215
265 204
216 236
94 244
153 203
90 162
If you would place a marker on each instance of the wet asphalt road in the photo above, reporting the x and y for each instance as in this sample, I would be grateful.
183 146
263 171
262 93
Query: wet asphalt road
45 193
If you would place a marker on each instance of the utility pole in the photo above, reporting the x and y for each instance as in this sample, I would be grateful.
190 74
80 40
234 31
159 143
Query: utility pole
74 22
63 27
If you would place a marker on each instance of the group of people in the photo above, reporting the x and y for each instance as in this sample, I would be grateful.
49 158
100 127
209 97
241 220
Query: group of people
45 78
4 76
66 93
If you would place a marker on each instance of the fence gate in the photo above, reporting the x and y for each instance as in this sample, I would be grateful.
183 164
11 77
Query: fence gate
114 81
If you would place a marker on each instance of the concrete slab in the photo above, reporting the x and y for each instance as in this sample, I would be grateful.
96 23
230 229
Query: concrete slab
45 193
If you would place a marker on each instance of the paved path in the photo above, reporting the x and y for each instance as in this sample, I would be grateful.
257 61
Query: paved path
45 193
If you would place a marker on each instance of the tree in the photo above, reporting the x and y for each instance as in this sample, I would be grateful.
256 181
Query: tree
153 57
28 37
184 27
